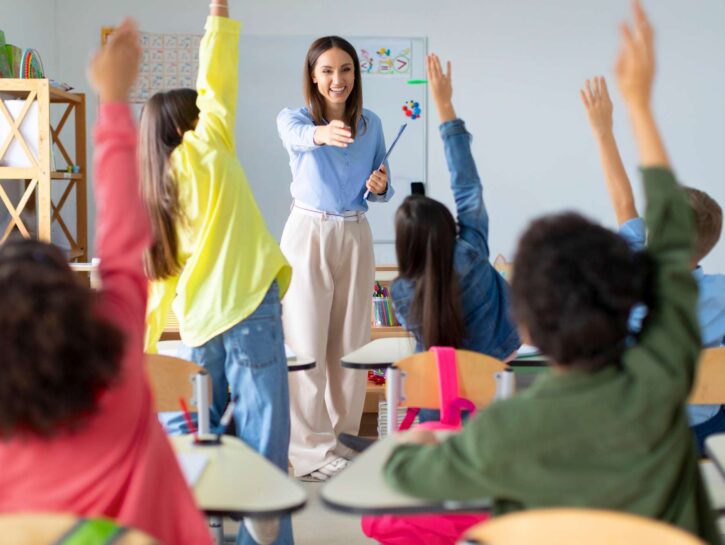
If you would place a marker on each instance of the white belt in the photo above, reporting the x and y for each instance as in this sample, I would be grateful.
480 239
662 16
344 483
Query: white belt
348 215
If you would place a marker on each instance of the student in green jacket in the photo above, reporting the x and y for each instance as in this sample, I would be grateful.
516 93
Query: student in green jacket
607 427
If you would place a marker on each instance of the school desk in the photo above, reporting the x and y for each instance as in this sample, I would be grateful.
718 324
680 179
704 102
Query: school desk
237 481
294 363
361 489
382 353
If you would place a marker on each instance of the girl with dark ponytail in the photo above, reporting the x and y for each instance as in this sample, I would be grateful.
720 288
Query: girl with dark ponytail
448 294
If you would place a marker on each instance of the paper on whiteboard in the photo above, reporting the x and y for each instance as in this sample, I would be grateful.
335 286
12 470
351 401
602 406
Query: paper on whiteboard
384 56
15 155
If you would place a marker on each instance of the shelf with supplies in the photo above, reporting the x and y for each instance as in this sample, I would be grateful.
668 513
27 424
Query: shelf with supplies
374 393
28 137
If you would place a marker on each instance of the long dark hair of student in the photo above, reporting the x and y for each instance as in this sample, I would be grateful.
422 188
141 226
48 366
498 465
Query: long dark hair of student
425 238
58 356
165 118
314 100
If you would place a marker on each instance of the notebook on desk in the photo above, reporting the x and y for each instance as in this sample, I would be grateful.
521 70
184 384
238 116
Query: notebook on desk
192 465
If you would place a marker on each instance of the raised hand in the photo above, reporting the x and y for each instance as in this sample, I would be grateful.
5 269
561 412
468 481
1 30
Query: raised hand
635 75
636 61
595 97
441 88
219 8
113 69
335 133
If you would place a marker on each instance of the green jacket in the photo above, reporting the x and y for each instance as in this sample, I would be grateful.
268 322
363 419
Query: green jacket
615 439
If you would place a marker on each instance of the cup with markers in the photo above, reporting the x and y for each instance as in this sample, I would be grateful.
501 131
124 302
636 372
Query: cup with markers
383 314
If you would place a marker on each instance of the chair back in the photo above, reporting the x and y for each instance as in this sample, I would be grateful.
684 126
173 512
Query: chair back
709 386
172 379
415 381
65 529
575 527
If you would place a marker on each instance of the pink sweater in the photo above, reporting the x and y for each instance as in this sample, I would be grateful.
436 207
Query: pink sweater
120 464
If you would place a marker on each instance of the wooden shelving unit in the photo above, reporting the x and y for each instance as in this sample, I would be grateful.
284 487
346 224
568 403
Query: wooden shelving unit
385 274
38 177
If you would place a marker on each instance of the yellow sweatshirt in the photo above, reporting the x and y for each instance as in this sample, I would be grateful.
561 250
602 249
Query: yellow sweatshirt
228 256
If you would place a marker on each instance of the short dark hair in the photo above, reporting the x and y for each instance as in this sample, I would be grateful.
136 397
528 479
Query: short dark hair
708 221
57 355
574 286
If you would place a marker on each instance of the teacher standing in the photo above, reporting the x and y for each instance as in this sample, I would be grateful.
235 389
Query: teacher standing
335 148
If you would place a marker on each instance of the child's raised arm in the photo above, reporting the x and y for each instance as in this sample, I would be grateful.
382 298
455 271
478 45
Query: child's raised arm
441 87
217 80
219 8
598 105
465 181
635 75
122 225
669 344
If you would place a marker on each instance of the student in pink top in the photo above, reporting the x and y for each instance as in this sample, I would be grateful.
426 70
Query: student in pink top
78 432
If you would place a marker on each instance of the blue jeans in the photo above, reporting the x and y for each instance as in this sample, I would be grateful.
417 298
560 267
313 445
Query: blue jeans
249 360
702 431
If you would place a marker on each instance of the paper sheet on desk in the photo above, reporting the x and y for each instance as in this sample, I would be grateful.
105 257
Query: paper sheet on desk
528 350
192 465
289 353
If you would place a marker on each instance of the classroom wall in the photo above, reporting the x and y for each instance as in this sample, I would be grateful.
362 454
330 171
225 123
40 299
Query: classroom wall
518 67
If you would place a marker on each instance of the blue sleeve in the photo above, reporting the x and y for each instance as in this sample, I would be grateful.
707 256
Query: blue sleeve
296 131
466 185
380 150
634 231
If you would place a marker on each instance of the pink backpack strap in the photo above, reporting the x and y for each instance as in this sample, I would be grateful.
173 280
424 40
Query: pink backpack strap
448 384
410 415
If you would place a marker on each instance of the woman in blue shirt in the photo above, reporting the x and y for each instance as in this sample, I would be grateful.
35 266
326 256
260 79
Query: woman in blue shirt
336 148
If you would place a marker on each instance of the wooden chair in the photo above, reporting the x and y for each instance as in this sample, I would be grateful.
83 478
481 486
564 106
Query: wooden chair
576 527
55 529
709 387
173 378
414 382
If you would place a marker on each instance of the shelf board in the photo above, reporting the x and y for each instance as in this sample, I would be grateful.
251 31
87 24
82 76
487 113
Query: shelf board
61 175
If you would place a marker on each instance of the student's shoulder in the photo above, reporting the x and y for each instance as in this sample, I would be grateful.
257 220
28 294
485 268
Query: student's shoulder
296 114
712 287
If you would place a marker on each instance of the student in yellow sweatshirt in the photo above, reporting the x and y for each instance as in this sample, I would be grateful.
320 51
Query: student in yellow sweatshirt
212 256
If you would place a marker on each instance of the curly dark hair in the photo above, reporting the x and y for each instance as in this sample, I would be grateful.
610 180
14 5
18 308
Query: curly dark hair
57 355
573 288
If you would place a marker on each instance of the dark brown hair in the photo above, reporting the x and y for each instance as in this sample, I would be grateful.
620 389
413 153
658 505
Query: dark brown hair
425 238
708 221
164 120
58 356
573 288
315 101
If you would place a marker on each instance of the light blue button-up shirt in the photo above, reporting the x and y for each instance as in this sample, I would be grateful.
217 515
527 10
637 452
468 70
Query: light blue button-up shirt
710 309
329 178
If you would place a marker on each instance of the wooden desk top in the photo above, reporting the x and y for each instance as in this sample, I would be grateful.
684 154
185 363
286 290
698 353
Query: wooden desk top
361 489
238 481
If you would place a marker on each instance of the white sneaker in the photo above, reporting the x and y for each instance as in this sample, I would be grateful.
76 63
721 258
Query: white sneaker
264 530
327 471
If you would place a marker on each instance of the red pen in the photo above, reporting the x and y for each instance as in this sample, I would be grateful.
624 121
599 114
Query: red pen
187 415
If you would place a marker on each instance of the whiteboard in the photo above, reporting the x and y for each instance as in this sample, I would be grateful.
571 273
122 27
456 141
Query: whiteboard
270 78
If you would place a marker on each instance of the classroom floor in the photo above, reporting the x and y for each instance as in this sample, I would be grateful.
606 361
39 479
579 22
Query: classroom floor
316 525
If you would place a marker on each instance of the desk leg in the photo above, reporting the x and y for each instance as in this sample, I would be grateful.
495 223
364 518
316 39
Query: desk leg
217 529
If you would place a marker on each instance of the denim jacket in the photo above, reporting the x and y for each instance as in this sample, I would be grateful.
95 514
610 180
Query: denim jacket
484 293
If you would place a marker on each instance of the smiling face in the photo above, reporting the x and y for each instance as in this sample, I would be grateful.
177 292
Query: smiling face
334 76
